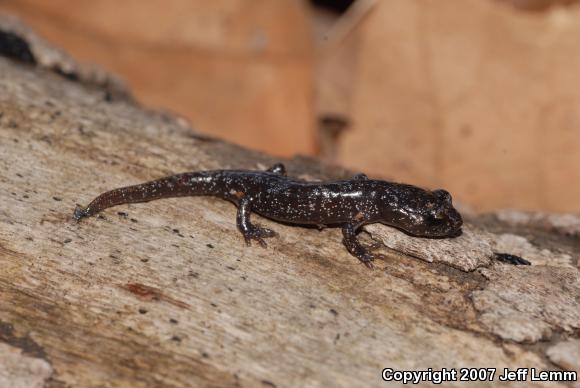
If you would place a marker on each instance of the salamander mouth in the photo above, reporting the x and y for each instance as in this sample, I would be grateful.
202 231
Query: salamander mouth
430 233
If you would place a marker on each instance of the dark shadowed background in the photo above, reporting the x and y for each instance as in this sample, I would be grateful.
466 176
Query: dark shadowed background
481 97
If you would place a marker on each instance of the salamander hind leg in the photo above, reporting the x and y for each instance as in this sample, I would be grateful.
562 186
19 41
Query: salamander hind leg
278 169
355 248
249 230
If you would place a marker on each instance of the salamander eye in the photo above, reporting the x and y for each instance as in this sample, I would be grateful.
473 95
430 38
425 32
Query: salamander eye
437 215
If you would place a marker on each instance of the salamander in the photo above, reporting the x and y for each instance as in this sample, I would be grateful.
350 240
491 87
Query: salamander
348 204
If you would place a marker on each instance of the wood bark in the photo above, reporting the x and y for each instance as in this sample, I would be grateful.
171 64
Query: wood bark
166 293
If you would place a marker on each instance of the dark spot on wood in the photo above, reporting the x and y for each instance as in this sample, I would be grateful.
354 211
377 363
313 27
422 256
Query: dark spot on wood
204 355
19 175
133 220
142 311
177 232
26 344
25 196
122 214
67 240
202 137
193 274
143 291
268 383
16 48
70 75
231 268
333 312
173 321
511 259
144 260
176 338
47 139
149 293
209 246
213 304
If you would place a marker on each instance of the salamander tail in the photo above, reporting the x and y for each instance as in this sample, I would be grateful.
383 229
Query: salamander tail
192 183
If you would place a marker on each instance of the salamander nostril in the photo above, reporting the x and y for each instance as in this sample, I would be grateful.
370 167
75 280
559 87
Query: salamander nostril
458 232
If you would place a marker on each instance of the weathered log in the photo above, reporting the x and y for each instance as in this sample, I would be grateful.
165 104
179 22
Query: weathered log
167 294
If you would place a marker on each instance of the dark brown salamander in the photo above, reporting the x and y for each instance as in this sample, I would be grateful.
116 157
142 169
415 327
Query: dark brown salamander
349 203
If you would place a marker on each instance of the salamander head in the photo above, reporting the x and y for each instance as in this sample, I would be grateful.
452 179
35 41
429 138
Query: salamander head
424 213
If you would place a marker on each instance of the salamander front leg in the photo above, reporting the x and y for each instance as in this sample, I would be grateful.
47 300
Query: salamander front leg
278 169
355 247
249 230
